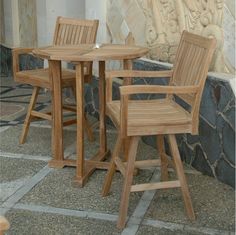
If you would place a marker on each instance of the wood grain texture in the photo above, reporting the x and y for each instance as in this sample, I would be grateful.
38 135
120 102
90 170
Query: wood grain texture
80 113
165 116
90 53
68 32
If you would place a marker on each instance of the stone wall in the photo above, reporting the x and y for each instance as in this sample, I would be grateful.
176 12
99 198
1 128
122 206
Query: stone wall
27 62
158 24
213 150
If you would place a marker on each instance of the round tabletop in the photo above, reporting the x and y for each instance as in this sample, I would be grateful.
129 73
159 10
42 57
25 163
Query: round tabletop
91 52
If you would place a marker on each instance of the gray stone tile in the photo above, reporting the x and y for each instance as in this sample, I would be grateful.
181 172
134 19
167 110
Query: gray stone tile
13 169
144 230
9 111
35 223
38 141
213 203
14 173
4 89
8 81
17 94
58 189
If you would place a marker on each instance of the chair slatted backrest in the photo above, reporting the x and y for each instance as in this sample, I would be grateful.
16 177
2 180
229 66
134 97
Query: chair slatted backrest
73 31
193 59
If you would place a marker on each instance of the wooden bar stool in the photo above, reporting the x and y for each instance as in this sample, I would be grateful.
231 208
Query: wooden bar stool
67 32
136 118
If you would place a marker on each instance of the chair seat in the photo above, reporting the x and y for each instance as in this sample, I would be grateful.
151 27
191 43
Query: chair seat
40 77
149 117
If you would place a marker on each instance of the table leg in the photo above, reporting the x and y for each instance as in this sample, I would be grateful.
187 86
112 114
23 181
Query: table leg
127 64
57 117
80 124
86 167
127 81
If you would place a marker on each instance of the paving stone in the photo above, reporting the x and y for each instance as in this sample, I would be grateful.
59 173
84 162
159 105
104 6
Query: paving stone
35 223
14 173
144 230
213 203
16 93
59 190
38 141
5 89
13 169
10 110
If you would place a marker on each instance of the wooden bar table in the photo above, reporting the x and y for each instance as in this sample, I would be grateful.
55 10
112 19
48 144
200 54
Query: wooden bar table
78 55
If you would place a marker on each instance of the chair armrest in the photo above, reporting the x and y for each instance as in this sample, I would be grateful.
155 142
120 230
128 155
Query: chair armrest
132 74
139 73
125 91
15 58
22 50
151 89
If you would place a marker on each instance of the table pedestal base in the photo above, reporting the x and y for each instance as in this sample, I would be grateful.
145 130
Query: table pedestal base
60 164
91 165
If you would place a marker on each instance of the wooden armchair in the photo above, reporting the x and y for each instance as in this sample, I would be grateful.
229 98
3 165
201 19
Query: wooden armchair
136 118
67 32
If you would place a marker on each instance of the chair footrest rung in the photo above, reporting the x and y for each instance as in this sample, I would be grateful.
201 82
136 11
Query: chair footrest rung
153 186
69 108
69 122
147 163
41 115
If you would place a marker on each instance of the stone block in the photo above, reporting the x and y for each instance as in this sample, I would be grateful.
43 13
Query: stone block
210 141
225 172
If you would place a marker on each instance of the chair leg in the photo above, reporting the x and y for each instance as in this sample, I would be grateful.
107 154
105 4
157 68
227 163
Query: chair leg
88 128
164 161
127 182
28 115
181 176
112 168
126 144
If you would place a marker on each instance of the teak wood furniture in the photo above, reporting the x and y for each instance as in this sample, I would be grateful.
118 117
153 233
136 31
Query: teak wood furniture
4 225
67 32
80 55
136 118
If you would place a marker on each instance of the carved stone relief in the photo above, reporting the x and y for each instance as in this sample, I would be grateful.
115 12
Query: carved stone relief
160 22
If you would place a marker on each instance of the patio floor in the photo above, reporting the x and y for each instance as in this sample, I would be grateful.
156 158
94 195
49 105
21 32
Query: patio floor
37 199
